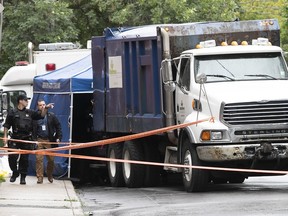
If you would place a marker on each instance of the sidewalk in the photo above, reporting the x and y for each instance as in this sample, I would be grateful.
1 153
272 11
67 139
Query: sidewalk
56 199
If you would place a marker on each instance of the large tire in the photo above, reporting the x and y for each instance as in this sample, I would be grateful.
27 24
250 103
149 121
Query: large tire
152 173
194 180
133 173
114 168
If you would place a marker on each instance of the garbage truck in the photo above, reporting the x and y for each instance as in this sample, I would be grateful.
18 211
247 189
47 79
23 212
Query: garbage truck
232 75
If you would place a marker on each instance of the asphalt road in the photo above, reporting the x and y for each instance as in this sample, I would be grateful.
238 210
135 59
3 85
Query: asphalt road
256 196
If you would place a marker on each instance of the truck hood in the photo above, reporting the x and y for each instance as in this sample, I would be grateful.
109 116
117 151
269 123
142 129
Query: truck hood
245 91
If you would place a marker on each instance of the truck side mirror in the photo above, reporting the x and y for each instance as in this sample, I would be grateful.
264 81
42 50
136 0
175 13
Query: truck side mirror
201 78
167 77
166 71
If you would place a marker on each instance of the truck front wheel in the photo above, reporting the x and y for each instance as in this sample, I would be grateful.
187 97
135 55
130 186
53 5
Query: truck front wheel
133 173
194 180
115 168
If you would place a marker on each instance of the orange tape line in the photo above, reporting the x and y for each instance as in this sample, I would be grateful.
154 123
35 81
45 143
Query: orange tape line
10 151
122 139
128 137
114 140
164 164
49 152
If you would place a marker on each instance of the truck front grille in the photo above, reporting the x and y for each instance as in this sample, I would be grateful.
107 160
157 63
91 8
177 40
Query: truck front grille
270 112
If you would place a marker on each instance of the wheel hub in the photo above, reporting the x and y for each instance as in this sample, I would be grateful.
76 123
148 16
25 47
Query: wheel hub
112 164
188 162
127 166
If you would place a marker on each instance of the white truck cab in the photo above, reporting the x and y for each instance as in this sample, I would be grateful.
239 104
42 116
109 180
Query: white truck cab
243 90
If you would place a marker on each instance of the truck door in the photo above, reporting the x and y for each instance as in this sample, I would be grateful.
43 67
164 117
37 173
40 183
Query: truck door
182 95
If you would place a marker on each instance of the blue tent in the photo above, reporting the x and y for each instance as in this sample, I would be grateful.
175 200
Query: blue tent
60 87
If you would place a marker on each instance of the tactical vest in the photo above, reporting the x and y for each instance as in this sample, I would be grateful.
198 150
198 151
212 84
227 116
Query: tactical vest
22 122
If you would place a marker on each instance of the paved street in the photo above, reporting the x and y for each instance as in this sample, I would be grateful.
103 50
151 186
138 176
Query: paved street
256 196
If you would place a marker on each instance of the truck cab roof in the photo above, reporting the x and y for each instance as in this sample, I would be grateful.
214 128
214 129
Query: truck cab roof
232 50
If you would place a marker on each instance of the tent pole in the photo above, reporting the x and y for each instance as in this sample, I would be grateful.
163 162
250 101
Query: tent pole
70 135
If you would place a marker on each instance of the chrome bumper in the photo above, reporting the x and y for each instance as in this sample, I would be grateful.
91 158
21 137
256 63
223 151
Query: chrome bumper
242 152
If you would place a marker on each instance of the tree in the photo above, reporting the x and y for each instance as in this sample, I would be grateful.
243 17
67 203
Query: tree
261 9
42 21
267 9
38 21
216 10
92 16
284 26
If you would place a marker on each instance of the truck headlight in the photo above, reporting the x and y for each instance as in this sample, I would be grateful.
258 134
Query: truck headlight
211 135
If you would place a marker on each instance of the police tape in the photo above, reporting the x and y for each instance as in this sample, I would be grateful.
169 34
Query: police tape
71 146
11 151
148 163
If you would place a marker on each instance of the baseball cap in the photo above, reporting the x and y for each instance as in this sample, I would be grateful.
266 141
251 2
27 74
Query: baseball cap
22 97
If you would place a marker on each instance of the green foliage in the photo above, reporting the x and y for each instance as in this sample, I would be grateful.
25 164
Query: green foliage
215 10
92 16
260 9
154 11
42 21
284 26
263 9
38 21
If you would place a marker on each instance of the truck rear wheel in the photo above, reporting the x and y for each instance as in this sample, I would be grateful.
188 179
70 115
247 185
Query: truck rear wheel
133 173
114 168
194 180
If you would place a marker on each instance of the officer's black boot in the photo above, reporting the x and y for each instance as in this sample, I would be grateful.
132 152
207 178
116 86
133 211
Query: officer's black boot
22 179
14 176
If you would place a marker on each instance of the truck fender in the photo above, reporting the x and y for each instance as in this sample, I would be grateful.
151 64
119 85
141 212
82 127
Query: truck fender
184 134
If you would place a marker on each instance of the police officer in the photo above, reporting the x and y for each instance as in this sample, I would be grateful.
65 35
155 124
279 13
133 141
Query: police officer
20 119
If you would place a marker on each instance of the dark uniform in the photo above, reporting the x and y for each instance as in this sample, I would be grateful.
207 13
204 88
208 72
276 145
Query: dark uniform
21 123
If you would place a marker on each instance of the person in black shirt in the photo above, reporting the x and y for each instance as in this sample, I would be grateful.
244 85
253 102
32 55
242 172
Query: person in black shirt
20 119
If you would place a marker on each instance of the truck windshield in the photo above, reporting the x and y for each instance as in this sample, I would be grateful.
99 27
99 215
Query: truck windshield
256 66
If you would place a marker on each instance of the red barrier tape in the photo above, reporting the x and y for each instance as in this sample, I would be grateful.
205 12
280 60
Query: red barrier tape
126 138
114 140
48 152
148 163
